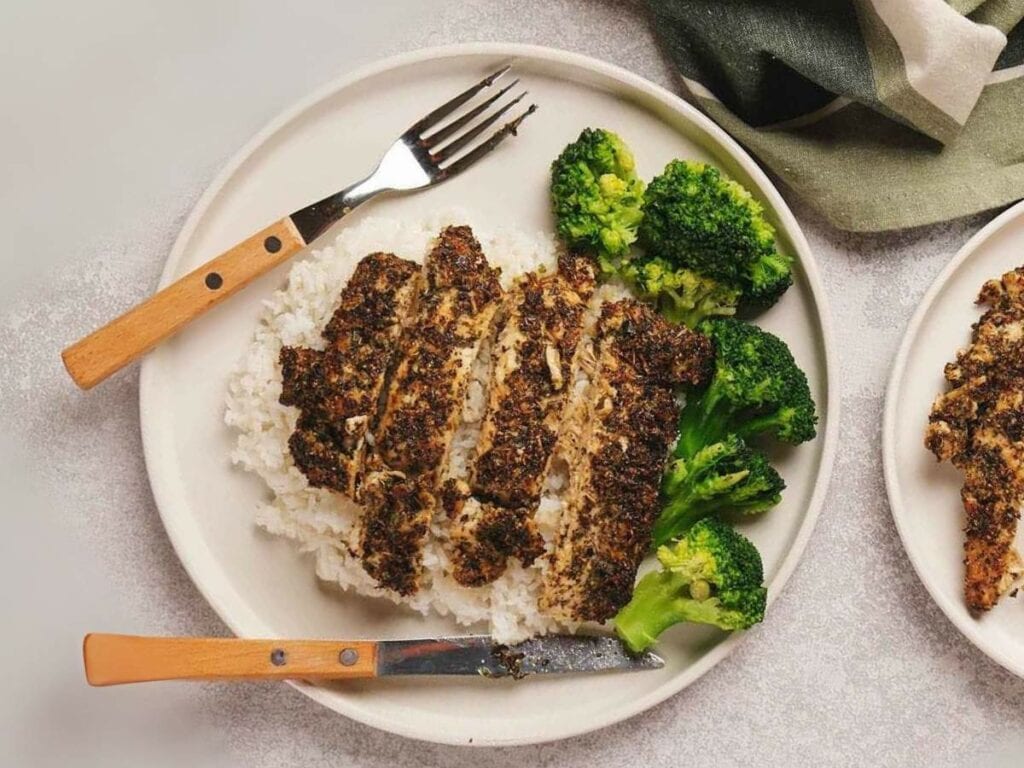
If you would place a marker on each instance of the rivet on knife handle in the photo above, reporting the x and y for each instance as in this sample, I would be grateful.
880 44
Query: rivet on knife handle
134 333
117 659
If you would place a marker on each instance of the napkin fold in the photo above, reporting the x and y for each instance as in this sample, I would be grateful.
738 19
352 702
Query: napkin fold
883 114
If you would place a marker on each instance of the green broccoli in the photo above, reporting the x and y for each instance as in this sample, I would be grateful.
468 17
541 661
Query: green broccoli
712 576
728 475
597 196
768 278
757 388
697 219
681 295
708 248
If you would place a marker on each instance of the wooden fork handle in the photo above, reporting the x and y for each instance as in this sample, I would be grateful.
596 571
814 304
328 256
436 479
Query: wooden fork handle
119 342
117 659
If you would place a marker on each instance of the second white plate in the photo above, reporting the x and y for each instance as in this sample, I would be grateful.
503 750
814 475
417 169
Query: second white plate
925 495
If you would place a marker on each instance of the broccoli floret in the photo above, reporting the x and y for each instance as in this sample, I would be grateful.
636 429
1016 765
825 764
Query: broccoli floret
681 295
698 219
769 277
712 576
724 476
757 388
708 245
597 196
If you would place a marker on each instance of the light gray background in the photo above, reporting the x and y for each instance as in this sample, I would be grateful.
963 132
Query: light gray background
116 115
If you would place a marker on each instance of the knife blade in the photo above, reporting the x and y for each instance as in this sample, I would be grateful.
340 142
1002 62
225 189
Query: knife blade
116 659
480 655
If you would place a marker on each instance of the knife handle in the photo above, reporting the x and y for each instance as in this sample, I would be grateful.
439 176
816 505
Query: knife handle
117 659
107 350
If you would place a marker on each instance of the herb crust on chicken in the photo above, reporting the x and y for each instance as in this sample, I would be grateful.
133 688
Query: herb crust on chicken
978 426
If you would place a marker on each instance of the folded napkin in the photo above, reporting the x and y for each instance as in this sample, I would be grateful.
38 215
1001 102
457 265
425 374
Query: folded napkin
881 113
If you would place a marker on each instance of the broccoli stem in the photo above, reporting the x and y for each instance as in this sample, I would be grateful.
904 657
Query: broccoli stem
757 425
677 518
686 508
655 607
657 604
701 611
702 422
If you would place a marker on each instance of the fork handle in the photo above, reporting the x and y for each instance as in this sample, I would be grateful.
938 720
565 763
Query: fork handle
107 350
117 659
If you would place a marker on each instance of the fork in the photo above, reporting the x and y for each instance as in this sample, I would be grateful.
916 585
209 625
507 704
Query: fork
429 152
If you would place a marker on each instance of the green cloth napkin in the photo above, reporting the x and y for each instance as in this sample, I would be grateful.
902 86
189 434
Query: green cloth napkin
881 113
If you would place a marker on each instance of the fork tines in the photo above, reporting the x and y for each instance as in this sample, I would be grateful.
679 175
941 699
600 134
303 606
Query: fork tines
444 141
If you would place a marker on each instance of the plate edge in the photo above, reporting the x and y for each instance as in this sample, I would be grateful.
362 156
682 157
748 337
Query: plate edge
971 632
718 136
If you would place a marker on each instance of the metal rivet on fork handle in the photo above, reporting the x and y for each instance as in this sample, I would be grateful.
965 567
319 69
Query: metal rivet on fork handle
278 657
272 244
348 657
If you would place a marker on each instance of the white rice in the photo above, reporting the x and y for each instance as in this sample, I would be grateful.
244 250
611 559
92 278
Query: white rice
325 523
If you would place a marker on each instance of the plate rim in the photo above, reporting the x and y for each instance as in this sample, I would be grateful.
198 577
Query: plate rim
355 708
970 629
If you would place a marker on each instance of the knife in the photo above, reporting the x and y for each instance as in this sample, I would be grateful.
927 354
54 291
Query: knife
117 659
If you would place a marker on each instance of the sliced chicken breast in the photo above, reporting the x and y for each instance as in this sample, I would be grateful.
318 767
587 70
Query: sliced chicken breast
534 364
337 390
616 448
423 405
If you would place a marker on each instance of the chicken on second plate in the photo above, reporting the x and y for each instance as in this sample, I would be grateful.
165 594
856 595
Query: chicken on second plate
978 425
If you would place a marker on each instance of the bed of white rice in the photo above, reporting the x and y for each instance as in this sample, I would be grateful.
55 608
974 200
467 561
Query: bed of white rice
325 523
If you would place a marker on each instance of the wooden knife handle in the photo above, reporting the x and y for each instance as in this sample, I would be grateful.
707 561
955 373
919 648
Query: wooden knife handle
116 659
107 350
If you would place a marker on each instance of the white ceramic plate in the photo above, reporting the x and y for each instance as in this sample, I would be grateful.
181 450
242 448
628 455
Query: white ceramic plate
262 586
925 495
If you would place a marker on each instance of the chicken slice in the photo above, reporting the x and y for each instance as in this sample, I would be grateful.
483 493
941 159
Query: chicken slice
616 450
482 536
978 425
422 407
396 521
534 364
298 376
337 390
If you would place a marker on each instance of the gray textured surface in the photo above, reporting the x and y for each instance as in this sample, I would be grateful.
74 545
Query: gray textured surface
116 117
